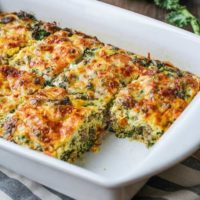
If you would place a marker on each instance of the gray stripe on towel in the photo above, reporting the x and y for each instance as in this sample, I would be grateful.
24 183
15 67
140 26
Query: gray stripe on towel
15 189
62 196
192 162
168 186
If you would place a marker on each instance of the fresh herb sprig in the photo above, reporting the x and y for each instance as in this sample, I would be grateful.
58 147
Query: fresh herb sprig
179 15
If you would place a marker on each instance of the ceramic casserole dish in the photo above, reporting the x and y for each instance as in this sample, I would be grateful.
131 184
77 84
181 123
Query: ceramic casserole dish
121 167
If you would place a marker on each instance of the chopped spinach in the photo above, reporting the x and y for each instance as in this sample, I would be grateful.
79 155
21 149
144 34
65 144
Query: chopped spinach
65 101
82 96
40 34
181 93
90 86
88 53
35 71
25 15
47 83
22 139
66 155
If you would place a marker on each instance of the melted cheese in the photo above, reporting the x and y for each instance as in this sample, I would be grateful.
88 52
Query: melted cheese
18 30
88 80
100 74
147 107
50 122
50 56
15 85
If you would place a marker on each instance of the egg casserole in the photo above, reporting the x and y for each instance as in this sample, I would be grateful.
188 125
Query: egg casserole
146 107
18 30
60 89
50 122
15 85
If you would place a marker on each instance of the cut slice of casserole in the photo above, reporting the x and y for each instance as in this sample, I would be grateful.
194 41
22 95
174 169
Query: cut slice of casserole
100 74
18 30
15 85
52 123
146 108
50 56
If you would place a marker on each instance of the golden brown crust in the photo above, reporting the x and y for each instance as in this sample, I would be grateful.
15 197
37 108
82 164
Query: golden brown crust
49 122
101 73
15 85
52 55
18 30
90 79
147 107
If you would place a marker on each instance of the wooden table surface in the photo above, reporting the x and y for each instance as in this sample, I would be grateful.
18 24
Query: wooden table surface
146 7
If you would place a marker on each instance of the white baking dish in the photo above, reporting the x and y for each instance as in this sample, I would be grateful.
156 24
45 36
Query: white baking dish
122 167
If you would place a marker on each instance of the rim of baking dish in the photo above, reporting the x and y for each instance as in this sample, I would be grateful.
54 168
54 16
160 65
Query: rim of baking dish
149 166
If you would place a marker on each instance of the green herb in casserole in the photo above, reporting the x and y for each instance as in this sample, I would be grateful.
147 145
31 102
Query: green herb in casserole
52 55
49 121
15 85
18 30
100 74
64 88
146 107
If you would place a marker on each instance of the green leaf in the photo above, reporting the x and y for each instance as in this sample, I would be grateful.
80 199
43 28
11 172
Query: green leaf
179 17
195 26
168 4
40 34
182 17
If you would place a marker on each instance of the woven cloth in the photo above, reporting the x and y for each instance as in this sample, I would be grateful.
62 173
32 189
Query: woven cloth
181 182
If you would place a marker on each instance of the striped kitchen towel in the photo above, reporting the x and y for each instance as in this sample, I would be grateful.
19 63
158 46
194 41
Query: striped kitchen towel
181 182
